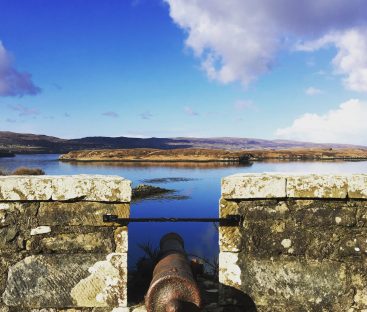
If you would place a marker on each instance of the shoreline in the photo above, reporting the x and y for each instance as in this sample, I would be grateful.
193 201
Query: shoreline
211 161
148 161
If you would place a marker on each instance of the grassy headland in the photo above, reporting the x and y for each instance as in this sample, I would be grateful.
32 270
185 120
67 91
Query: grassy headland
212 155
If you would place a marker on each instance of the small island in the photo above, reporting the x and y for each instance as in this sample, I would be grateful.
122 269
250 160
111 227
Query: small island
213 155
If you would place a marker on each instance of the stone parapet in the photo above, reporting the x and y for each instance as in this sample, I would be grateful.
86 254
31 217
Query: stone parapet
284 185
56 253
302 245
65 188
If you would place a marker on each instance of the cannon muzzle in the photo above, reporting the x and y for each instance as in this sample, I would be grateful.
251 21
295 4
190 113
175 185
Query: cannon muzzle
173 287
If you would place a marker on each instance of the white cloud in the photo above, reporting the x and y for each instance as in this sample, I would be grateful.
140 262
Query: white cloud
237 40
313 91
351 58
189 111
13 82
346 124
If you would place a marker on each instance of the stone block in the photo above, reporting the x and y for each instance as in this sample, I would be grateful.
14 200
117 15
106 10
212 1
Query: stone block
121 239
261 210
65 188
357 186
59 281
359 282
362 214
79 213
8 239
230 239
91 188
272 239
106 284
228 207
305 283
316 213
3 275
24 188
22 214
96 242
230 269
317 186
246 186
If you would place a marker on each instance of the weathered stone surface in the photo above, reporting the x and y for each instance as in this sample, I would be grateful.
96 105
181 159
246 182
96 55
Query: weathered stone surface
21 309
59 256
3 275
304 252
25 188
4 206
59 281
227 207
265 240
40 230
46 281
79 213
73 310
260 210
357 186
121 239
97 242
64 188
91 188
241 186
298 282
362 214
230 239
359 282
316 213
15 224
106 284
317 186
247 186
7 236
352 246
230 269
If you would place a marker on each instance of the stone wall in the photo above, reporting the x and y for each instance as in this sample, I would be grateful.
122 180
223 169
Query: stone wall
302 245
56 254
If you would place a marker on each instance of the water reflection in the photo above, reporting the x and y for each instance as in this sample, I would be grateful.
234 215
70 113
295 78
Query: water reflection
149 164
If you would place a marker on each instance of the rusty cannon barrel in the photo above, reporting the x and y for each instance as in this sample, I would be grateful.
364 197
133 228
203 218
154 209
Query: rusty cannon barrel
173 287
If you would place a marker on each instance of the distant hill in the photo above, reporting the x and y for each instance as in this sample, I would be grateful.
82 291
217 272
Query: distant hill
33 143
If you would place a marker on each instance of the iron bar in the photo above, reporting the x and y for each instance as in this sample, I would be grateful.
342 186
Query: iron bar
230 220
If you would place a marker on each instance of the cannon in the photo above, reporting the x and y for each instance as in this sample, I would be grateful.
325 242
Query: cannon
173 287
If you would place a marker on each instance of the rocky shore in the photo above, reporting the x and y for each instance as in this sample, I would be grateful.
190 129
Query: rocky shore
143 191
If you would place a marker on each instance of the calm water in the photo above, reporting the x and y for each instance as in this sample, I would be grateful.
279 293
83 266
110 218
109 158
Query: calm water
200 195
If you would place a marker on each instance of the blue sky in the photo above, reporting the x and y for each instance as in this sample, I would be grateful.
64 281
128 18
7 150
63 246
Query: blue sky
178 68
